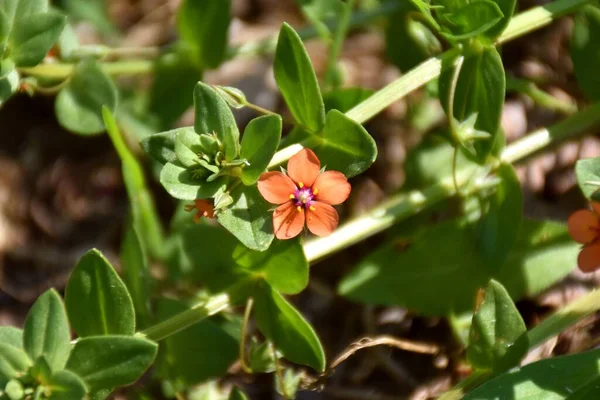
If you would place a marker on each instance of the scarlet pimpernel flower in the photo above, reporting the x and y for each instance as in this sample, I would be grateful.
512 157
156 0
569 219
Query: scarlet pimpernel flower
304 195
584 228
203 208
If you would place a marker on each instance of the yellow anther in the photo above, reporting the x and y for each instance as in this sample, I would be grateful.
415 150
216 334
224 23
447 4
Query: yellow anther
299 209
315 191
301 185
292 197
312 208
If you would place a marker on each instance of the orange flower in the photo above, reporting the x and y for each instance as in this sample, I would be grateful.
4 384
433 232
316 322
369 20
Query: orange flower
204 209
305 194
584 228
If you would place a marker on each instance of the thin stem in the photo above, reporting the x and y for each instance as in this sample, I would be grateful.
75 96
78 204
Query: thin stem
279 373
336 46
540 97
101 51
244 334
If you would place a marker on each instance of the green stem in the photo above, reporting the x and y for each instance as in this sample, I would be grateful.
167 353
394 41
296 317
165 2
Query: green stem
473 380
336 46
540 97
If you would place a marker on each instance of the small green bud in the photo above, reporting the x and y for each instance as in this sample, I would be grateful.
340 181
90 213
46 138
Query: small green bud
233 96
14 390
209 143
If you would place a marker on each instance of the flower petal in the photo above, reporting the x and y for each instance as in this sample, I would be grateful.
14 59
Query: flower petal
323 220
304 167
589 258
584 226
287 221
276 187
332 187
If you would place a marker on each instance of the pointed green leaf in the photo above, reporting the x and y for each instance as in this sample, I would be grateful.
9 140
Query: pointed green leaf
65 385
203 26
259 143
33 35
136 275
46 330
584 51
11 336
472 19
497 339
297 81
106 362
214 115
282 324
13 362
552 379
508 8
499 226
79 104
41 371
161 146
249 218
97 300
588 176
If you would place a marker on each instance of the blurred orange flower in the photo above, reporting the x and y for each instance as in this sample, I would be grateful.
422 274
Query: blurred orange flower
305 194
584 228
204 208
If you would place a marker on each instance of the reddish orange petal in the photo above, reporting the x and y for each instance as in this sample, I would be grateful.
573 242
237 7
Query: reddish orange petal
304 167
331 187
287 221
583 226
596 207
589 258
276 187
323 220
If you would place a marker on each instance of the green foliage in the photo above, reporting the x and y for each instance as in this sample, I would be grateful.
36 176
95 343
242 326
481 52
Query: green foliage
237 394
203 27
13 362
65 385
79 104
46 332
136 275
588 176
259 143
97 300
497 339
472 19
282 324
343 99
11 336
566 377
428 276
106 362
584 51
203 351
499 227
479 94
297 81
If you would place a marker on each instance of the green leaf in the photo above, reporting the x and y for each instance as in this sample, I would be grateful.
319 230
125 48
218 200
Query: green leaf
161 146
428 275
588 176
480 91
584 51
79 104
8 85
65 385
219 261
16 9
297 81
214 115
282 324
508 8
41 371
100 394
136 275
497 339
203 351
174 76
249 218
106 362
180 183
587 392
97 300
46 332
472 19
203 26
344 145
259 143
343 99
552 379
33 35
11 336
499 227
237 394
13 362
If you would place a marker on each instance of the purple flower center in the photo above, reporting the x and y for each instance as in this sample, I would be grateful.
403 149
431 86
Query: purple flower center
304 197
